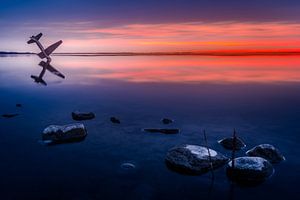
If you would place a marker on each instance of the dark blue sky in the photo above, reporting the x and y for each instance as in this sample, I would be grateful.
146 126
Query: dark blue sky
78 20
150 10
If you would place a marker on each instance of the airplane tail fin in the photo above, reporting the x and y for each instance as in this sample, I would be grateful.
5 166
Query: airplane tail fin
36 37
43 64
30 41
38 80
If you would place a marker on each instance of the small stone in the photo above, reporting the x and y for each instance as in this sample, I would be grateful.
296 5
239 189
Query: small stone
266 151
9 115
162 130
127 166
193 159
248 170
65 133
128 169
227 143
115 120
167 121
79 116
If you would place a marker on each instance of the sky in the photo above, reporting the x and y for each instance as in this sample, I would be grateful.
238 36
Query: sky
152 25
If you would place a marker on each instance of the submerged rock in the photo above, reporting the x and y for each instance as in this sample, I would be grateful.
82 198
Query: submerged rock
78 116
115 120
266 151
128 170
249 169
167 121
162 130
227 143
9 115
127 166
193 159
65 133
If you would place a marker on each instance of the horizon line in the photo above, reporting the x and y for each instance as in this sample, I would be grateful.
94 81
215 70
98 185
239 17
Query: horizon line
177 53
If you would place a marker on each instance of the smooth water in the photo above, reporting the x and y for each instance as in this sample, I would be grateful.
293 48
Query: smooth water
259 96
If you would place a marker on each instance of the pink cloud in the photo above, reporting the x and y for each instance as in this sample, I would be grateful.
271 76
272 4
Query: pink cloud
180 36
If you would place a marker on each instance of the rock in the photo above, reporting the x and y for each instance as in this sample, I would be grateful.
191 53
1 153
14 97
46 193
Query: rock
266 151
18 105
227 143
78 116
9 115
127 166
128 170
65 133
167 121
115 120
162 130
193 159
249 170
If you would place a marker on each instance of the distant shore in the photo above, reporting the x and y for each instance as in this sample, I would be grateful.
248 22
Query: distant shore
11 52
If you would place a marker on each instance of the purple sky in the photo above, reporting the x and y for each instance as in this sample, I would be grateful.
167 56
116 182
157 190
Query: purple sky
60 19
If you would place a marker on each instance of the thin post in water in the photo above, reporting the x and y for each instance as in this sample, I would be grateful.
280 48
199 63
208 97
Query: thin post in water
209 156
233 149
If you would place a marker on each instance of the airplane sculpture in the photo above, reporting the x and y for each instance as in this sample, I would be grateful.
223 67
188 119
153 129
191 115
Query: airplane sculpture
45 53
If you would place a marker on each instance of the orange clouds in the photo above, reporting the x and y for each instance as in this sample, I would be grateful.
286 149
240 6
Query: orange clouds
184 36
231 29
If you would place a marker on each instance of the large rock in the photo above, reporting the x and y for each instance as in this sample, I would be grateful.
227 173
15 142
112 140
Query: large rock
66 133
9 115
193 159
162 130
266 151
79 116
249 169
227 143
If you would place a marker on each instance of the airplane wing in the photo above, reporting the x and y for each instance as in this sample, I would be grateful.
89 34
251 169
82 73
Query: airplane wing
49 49
52 47
30 41
55 71
51 69
38 36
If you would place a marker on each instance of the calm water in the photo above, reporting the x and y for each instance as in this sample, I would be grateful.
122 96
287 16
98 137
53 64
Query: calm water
259 96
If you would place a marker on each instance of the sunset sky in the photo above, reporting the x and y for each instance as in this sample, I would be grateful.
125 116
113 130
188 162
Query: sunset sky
152 26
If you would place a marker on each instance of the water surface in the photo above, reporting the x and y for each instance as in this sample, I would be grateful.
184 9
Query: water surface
257 95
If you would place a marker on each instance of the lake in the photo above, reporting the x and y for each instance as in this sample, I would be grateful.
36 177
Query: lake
259 96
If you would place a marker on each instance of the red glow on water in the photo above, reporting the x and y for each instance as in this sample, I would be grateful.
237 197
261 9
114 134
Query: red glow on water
188 69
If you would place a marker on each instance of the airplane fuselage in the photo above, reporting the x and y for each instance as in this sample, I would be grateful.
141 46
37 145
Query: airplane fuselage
41 48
